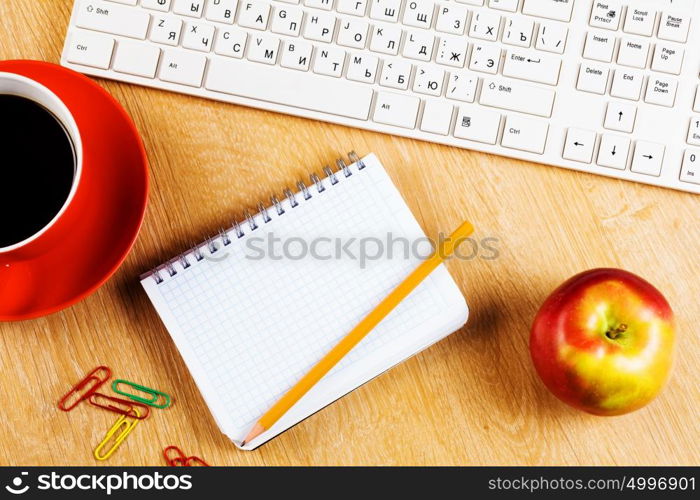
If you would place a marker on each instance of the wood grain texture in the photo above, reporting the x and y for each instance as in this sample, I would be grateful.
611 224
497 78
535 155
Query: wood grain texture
472 399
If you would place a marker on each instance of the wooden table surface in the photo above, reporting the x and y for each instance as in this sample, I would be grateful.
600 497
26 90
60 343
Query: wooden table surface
473 398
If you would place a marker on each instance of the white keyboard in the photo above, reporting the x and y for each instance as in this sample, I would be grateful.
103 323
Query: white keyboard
609 87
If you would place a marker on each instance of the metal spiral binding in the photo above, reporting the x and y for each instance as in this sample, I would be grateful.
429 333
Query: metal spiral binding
211 243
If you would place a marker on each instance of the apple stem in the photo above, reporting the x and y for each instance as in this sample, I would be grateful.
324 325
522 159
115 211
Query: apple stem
613 334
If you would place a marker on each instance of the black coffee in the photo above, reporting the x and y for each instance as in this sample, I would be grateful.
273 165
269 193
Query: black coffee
37 165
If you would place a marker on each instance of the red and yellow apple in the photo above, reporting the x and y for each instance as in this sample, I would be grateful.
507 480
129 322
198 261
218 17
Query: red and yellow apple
603 341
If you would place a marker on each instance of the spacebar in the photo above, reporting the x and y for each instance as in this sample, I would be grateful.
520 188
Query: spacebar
289 87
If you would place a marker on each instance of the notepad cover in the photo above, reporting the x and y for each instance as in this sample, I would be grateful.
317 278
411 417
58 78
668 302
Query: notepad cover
250 322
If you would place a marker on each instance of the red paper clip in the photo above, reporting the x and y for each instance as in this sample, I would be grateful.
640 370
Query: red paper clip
94 377
173 462
94 400
195 462
181 460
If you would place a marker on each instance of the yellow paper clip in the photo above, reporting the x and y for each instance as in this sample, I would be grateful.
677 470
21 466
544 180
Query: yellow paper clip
121 422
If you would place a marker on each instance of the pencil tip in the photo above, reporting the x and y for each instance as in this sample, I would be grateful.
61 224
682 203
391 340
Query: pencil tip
254 432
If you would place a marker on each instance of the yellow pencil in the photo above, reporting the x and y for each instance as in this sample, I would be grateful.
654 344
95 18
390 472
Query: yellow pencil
445 249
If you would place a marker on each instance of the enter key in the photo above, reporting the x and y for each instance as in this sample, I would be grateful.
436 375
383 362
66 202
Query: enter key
532 66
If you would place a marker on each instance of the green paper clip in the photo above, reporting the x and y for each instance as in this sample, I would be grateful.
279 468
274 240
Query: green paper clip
155 395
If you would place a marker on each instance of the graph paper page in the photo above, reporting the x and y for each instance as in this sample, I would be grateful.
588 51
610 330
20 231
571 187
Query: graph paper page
257 314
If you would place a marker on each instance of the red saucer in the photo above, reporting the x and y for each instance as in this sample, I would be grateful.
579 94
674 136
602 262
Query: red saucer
107 209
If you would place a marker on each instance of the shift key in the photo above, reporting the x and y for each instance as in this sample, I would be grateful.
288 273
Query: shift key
113 18
517 96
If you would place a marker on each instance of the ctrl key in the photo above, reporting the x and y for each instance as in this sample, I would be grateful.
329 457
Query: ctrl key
690 171
87 49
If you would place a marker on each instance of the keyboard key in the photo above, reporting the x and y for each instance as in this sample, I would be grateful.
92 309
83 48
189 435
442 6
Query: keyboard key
263 48
613 151
694 131
690 170
648 158
593 78
559 10
639 21
166 30
485 58
329 61
674 27
696 103
182 66
396 109
633 53
319 4
552 37
386 39
287 21
661 91
363 68
419 13
477 124
113 18
606 14
508 5
159 5
231 42
419 45
627 84
353 33
396 74
198 36
452 51
136 58
599 47
452 18
579 145
191 8
428 80
525 134
221 11
385 10
668 58
485 26
320 27
516 96
518 31
437 117
532 66
296 55
620 116
301 89
461 86
352 7
253 15
89 49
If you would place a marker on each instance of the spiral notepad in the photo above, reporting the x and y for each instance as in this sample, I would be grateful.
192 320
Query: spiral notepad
254 308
